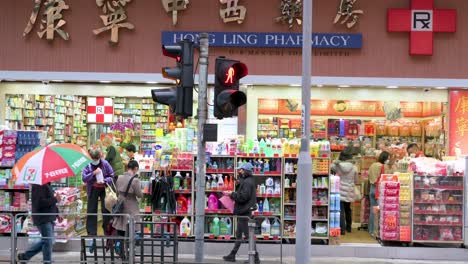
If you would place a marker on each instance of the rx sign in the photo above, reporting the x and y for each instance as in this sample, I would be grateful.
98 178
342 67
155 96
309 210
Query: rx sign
422 20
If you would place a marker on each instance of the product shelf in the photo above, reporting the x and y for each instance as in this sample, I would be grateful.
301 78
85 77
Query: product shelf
419 201
437 223
438 213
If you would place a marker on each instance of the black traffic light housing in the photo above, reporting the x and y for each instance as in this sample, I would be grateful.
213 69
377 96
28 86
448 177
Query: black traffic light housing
227 97
180 98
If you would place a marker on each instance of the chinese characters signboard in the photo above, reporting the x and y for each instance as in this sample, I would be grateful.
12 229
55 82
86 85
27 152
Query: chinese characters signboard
346 13
458 136
51 22
174 6
291 11
233 12
100 110
113 18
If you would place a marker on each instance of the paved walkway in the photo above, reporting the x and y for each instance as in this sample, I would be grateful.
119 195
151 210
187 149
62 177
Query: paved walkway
188 259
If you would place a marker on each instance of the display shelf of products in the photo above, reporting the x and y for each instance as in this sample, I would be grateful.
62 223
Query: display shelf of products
54 114
389 204
406 198
438 201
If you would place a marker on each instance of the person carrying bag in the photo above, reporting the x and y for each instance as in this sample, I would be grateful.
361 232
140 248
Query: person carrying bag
119 205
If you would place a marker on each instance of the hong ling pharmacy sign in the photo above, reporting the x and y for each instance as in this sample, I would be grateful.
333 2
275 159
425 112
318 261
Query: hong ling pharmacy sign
267 40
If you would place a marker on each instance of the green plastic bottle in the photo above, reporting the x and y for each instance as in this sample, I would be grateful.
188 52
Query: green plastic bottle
216 228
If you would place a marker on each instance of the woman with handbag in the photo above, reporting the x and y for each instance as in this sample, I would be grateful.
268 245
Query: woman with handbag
344 168
128 190
382 166
96 175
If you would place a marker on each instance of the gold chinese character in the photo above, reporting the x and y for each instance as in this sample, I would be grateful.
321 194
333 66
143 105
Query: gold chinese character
174 6
462 105
345 12
233 12
114 14
52 13
291 11
462 126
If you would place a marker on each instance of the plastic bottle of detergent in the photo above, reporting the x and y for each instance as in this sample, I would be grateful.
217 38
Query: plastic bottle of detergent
266 227
182 204
266 206
185 227
275 228
189 205
177 180
225 226
214 182
220 182
215 228
213 203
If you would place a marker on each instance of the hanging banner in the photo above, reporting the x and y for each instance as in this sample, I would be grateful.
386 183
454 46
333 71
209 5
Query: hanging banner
346 108
458 135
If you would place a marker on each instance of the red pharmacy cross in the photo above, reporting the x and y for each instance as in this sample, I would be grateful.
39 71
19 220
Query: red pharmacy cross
422 20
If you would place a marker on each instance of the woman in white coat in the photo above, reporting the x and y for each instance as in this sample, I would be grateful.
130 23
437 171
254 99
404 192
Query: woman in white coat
344 168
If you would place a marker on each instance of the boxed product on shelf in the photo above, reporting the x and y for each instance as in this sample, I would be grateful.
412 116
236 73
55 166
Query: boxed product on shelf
389 205
7 147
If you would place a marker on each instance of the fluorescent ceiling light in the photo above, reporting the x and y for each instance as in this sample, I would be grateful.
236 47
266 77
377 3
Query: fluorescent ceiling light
319 85
105 81
57 80
343 86
151 82
295 85
392 87
441 87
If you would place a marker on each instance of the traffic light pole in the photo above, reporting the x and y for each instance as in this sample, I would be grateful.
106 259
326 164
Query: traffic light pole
201 158
304 166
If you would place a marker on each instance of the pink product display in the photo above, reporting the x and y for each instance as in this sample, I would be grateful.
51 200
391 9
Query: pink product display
184 161
389 203
429 167
7 147
68 195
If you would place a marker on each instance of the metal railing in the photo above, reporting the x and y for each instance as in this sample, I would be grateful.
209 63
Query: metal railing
147 241
103 253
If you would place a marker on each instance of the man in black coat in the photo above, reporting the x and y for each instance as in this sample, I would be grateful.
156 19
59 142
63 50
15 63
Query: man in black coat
245 198
44 201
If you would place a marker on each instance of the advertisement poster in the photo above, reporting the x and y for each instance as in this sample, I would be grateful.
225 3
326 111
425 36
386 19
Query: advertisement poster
458 136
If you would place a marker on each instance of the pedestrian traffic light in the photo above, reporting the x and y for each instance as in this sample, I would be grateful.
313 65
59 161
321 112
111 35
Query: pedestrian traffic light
227 97
179 99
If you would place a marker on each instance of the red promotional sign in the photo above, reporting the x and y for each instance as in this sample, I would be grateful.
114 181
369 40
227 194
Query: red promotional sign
422 20
458 135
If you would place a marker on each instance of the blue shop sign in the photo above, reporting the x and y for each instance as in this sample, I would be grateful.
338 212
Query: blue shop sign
267 40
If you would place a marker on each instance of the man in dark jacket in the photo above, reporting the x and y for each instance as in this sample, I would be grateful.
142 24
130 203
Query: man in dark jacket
44 201
245 199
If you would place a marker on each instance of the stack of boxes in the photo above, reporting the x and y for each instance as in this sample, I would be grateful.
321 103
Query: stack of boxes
405 206
389 203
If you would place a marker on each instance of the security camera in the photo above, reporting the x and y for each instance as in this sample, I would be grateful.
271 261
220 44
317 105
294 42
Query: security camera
45 82
427 89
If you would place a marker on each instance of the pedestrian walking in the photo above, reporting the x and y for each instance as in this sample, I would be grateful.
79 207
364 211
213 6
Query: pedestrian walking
245 201
96 175
44 201
129 190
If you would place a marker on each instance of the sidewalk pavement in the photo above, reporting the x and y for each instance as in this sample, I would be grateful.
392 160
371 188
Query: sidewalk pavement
74 257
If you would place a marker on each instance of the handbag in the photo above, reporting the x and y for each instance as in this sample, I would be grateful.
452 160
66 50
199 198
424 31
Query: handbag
357 193
377 183
111 197
118 207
